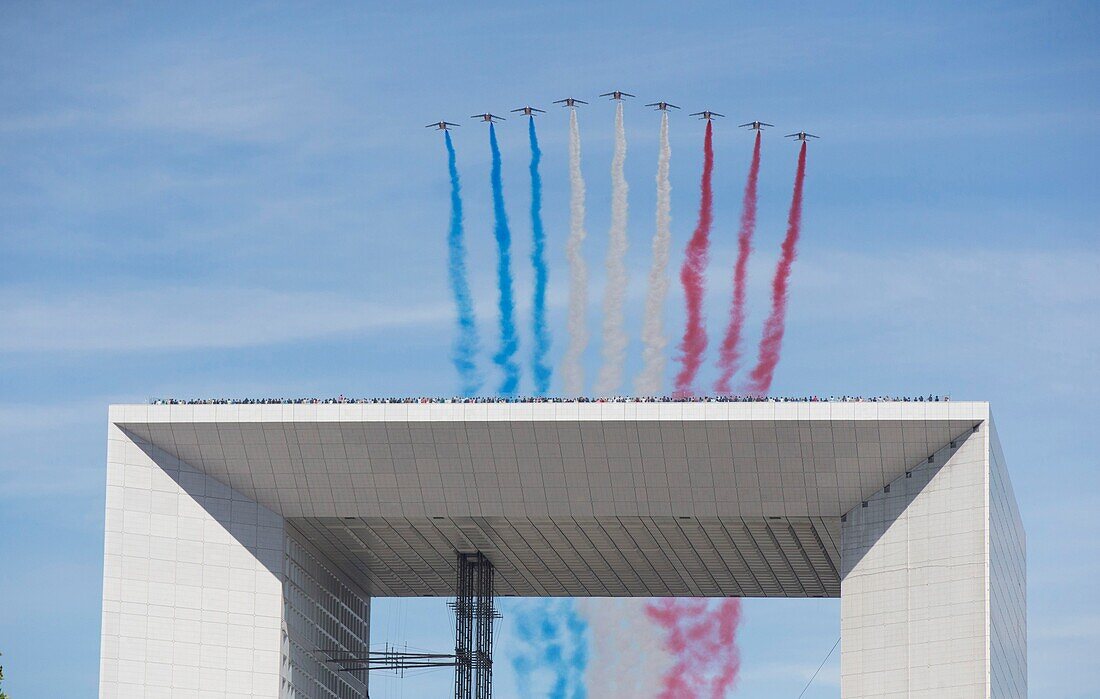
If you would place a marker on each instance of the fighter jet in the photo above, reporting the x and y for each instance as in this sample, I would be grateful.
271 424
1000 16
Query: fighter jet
440 125
662 106
756 125
528 111
616 94
569 102
707 114
487 117
801 136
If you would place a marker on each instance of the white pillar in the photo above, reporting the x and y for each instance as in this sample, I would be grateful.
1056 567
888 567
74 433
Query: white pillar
206 593
192 582
932 582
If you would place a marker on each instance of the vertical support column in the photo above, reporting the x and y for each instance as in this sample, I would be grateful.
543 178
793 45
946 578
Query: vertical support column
474 617
464 623
915 603
486 614
192 581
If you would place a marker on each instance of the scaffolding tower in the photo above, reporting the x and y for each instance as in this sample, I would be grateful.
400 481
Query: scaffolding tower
475 613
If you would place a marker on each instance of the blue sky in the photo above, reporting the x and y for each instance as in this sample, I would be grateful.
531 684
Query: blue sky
233 199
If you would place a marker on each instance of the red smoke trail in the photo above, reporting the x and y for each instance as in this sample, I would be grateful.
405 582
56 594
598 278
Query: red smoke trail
730 358
703 641
760 380
691 275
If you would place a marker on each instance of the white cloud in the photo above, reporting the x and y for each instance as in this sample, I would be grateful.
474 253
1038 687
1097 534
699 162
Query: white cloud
217 93
909 128
1026 308
235 98
18 419
886 279
192 318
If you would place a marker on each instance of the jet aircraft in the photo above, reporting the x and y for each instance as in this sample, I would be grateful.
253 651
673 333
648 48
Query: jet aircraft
529 111
487 117
569 102
616 94
756 125
440 125
707 114
662 106
801 136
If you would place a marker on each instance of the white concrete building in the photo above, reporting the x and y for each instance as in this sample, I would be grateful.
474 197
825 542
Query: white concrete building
244 542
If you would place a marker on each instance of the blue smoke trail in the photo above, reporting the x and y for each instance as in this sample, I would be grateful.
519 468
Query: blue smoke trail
553 649
505 358
465 346
578 659
538 260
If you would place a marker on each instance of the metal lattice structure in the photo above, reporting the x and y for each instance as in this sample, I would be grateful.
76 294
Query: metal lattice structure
464 628
486 615
388 659
475 614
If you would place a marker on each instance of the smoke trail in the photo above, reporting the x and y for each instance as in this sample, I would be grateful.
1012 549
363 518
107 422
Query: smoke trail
578 656
552 649
760 380
505 358
730 358
538 259
653 330
614 333
465 346
691 275
626 659
572 371
703 639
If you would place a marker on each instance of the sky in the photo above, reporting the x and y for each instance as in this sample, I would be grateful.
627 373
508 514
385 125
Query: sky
240 199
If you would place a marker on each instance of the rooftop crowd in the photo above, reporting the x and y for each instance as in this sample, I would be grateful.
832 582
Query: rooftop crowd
545 399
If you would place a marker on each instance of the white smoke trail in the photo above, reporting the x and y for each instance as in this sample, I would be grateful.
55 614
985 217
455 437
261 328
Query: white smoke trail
653 329
614 332
572 371
626 658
